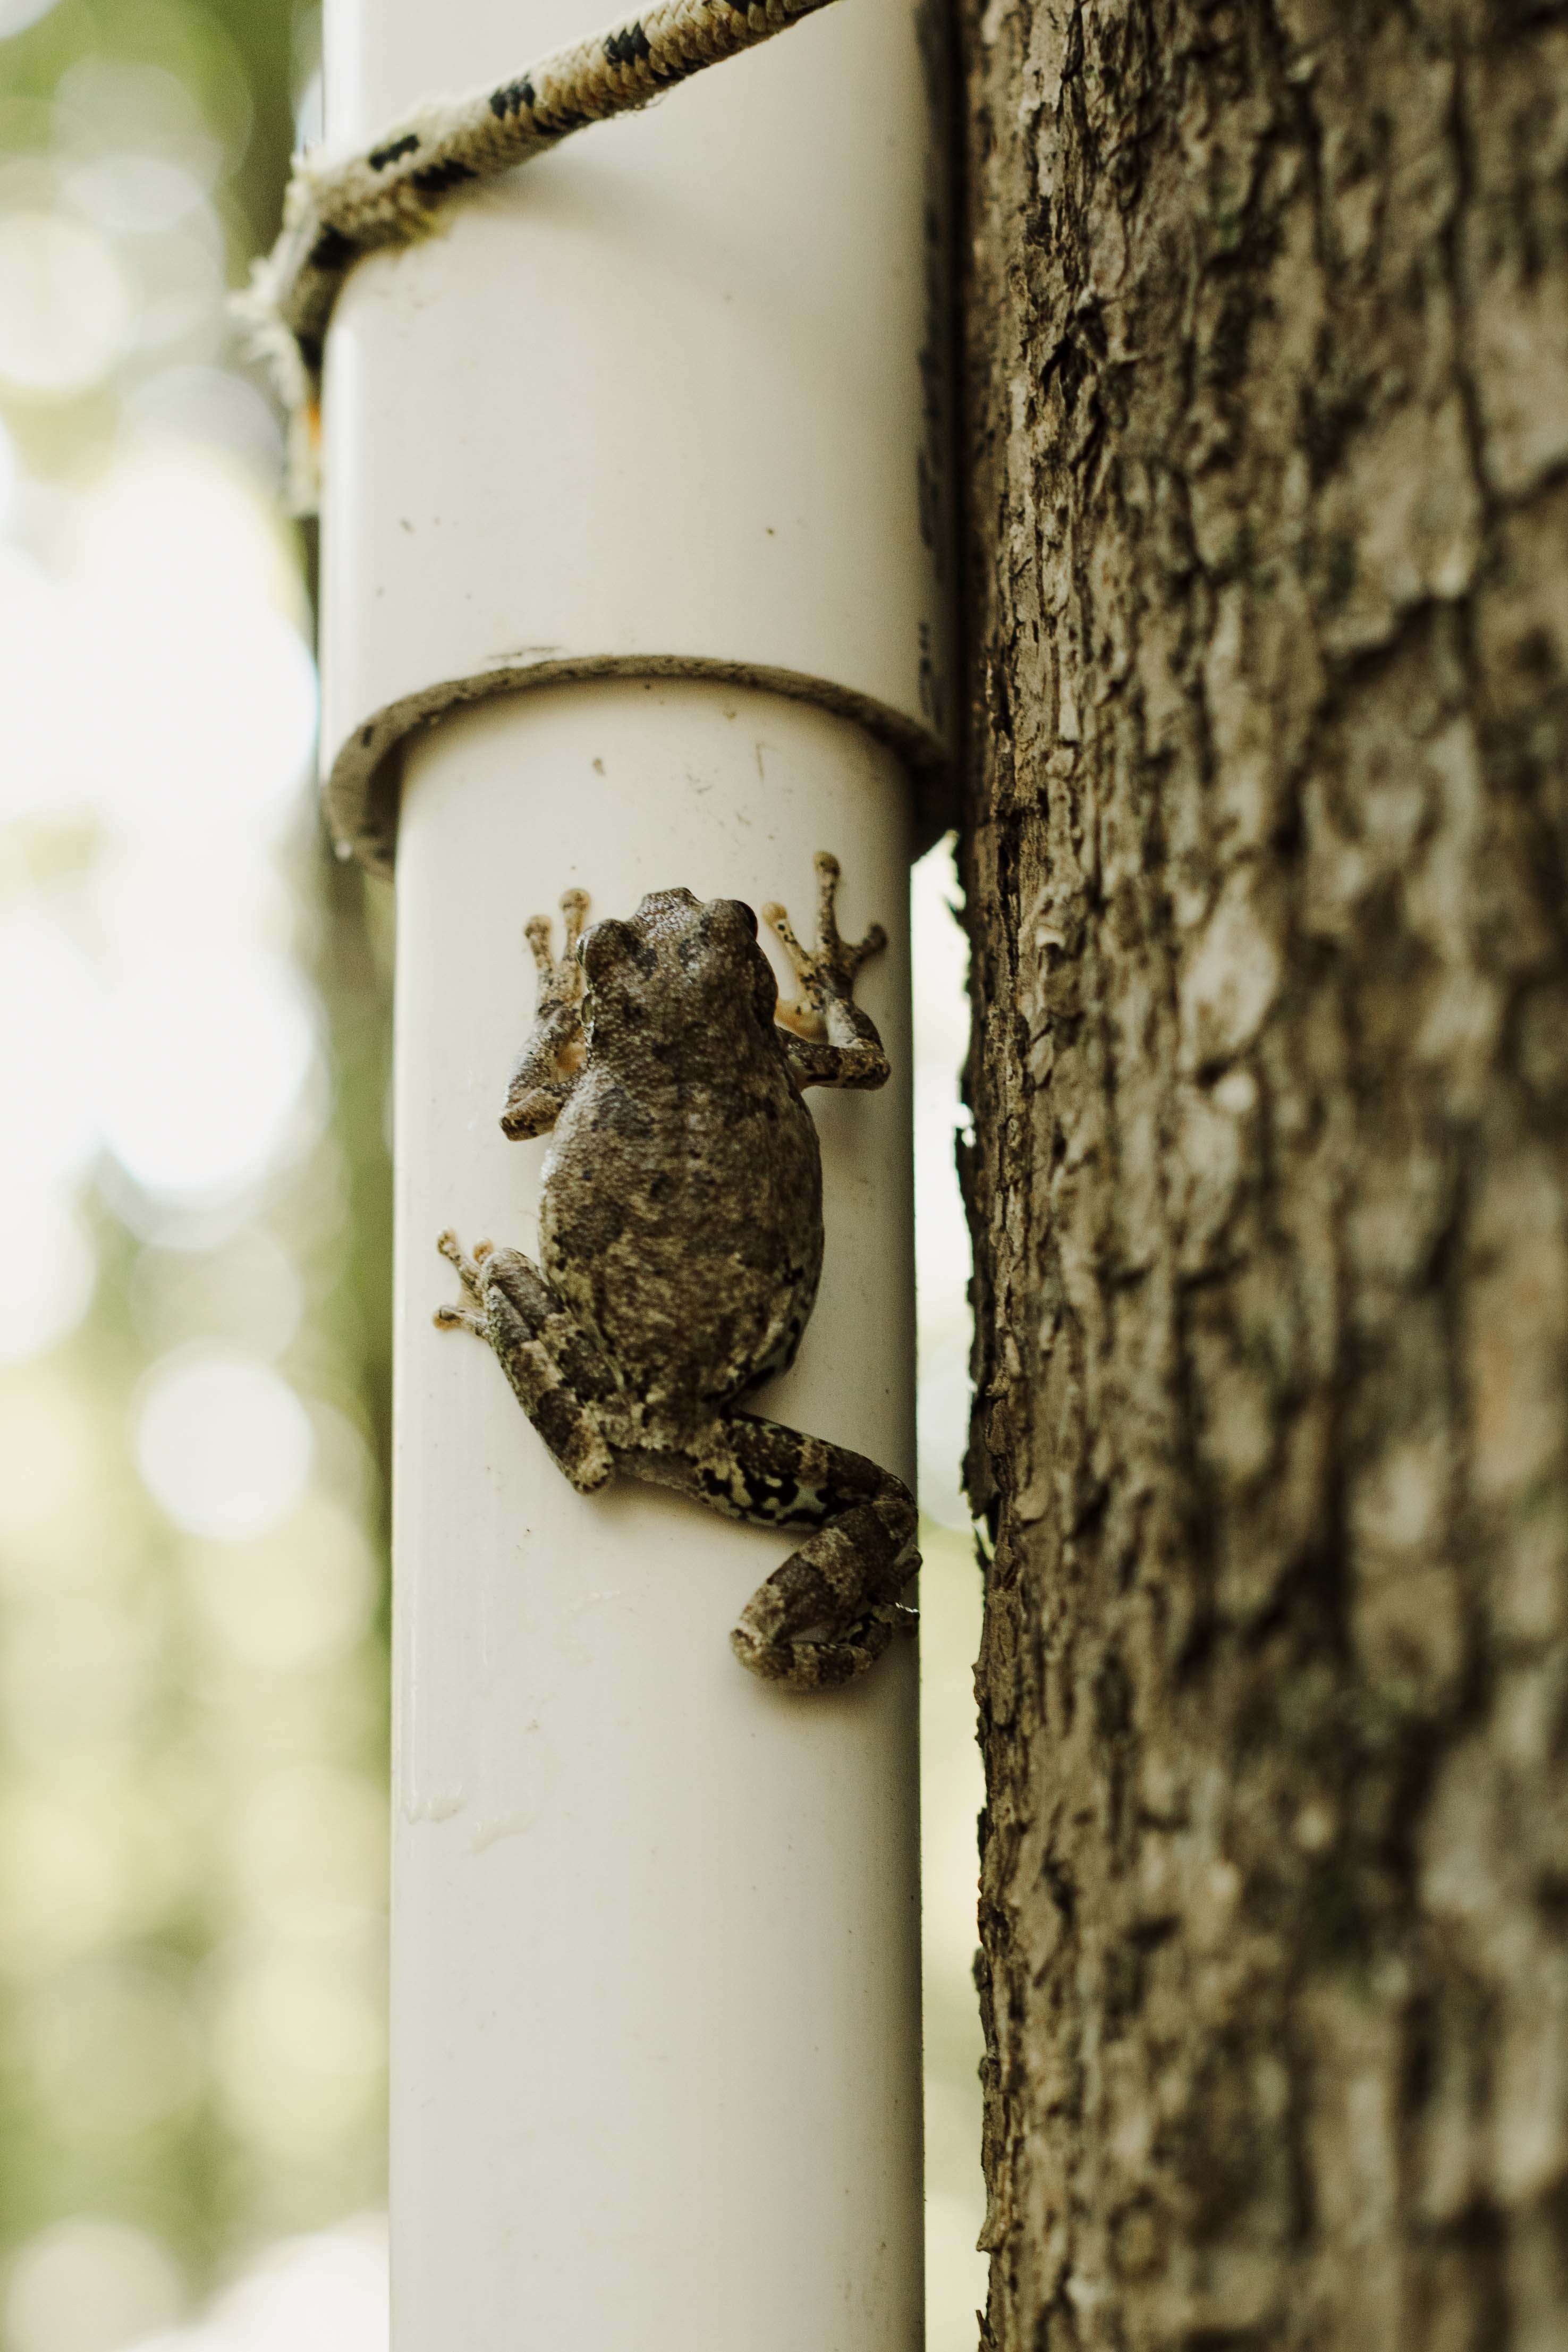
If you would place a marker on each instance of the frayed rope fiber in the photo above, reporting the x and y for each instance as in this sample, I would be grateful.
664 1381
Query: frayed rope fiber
333 213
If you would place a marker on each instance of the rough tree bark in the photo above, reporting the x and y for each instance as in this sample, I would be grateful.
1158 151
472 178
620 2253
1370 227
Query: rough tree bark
1268 867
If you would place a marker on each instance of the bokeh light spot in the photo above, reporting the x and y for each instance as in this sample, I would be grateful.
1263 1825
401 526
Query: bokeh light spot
76 1675
15 15
85 1860
10 475
87 2285
206 1055
135 195
298 2043
47 1431
224 1445
248 1294
48 1052
204 705
46 1272
313 1832
327 2292
114 2044
35 705
114 104
178 282
295 1597
66 304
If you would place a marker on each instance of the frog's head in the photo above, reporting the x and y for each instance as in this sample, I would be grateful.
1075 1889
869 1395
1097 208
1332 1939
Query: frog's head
681 965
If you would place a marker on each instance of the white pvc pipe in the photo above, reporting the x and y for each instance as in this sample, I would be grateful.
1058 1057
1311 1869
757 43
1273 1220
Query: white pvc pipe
656 2005
664 396
656 404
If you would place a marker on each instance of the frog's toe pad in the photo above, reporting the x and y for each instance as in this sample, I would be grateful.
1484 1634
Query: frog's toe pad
828 1613
822 1665
467 1315
458 1318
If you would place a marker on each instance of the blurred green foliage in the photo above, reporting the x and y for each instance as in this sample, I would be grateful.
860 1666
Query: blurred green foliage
192 1728
245 65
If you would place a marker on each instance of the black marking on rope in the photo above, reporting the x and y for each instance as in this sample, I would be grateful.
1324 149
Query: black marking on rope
380 157
299 295
436 178
511 98
332 251
629 46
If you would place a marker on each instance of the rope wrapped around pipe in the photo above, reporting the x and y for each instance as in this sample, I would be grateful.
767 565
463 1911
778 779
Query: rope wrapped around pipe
390 194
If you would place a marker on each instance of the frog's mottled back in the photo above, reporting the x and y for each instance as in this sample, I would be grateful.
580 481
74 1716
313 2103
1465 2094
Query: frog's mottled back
683 1199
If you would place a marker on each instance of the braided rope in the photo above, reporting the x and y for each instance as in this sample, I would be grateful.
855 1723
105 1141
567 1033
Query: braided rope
334 213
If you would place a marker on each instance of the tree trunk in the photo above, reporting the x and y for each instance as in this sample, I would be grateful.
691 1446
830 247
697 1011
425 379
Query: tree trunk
1268 335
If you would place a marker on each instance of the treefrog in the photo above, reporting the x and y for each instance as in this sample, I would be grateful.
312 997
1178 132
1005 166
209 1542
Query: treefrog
681 1243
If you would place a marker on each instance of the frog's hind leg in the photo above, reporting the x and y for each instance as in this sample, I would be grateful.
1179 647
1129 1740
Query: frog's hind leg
830 1609
558 1377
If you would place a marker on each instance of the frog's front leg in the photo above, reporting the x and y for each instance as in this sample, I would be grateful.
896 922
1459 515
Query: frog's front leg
831 1609
551 1060
558 1377
829 1039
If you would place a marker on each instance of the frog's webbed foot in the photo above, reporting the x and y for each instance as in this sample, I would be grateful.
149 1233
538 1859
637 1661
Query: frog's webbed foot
828 969
830 1041
469 1315
831 1611
552 1060
560 977
556 1375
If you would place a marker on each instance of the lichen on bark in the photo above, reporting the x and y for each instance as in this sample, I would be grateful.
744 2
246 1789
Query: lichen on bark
1267 346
